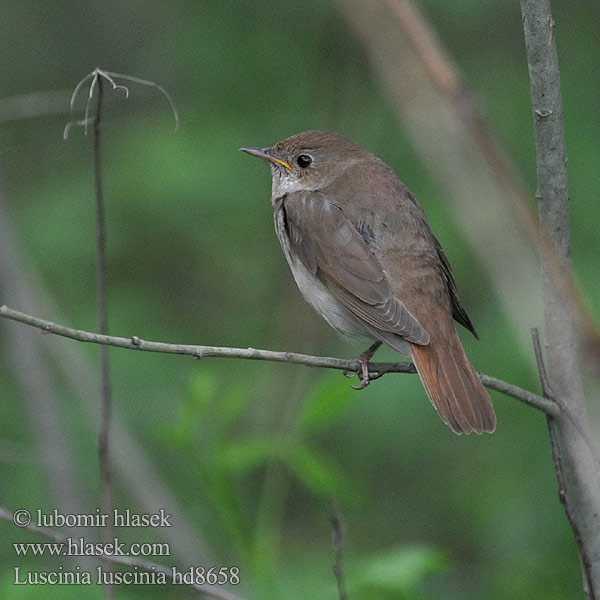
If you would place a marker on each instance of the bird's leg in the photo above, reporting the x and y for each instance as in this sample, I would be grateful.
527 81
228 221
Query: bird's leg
365 376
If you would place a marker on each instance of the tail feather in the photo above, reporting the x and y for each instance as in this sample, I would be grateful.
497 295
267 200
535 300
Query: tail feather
453 386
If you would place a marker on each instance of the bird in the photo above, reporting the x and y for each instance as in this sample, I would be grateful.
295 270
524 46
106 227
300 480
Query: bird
363 254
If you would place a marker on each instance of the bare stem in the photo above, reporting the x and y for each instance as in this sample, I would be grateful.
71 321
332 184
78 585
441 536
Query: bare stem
337 540
102 294
557 460
95 78
135 343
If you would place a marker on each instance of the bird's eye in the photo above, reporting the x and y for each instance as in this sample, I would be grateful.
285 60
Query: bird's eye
304 160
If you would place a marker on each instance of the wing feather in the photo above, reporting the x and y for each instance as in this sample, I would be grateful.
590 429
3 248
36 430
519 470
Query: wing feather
329 246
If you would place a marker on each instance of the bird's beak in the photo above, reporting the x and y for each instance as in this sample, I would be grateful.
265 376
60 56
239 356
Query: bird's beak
264 154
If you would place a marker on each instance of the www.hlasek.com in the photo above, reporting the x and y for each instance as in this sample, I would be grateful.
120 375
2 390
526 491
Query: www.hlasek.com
79 547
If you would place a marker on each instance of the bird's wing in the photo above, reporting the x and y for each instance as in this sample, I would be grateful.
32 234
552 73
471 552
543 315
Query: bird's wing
330 247
458 312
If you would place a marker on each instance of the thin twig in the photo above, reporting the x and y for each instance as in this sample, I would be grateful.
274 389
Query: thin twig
151 84
353 364
508 389
541 367
558 467
212 591
337 541
102 293
95 76
95 79
82 123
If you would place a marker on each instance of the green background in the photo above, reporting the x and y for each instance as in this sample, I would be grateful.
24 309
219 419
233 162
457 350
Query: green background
249 455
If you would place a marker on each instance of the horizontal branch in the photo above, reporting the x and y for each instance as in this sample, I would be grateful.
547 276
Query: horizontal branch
212 591
353 364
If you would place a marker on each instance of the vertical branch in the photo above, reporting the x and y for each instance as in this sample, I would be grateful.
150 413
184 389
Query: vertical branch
337 540
579 474
557 460
102 292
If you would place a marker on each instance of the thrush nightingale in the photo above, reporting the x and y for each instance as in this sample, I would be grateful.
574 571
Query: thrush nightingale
362 253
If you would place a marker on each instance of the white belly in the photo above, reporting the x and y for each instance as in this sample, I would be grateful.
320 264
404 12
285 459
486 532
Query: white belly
325 303
316 293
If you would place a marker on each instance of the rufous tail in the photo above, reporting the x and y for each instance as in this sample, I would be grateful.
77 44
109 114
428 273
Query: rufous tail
453 386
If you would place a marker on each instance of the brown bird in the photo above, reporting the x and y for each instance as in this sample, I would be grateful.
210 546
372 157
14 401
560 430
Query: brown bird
363 254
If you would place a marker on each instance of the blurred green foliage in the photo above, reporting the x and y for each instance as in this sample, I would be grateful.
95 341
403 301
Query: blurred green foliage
255 452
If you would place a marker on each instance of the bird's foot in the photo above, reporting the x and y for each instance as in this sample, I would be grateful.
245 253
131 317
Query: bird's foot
365 376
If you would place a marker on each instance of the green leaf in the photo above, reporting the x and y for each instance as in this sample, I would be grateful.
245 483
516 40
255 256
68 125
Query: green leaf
192 410
400 572
232 404
317 472
248 454
325 404
202 390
